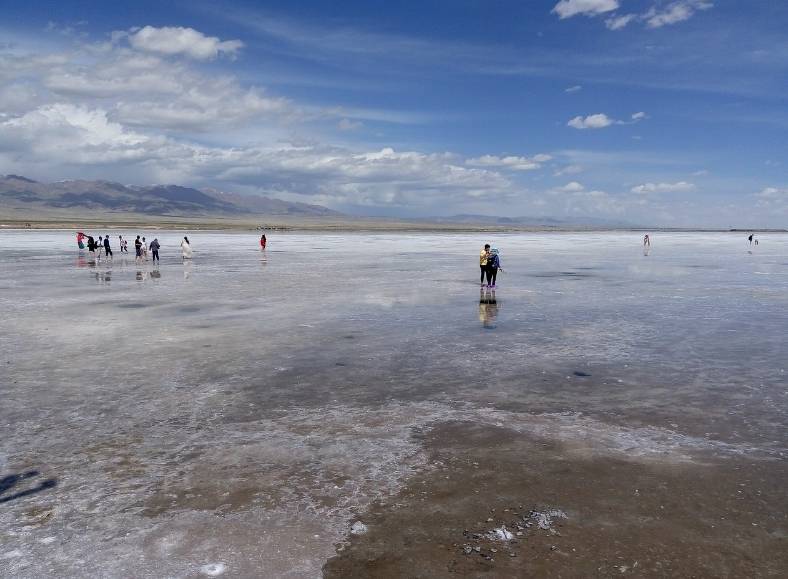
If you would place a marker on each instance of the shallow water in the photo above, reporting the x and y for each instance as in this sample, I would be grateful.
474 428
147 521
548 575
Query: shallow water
238 411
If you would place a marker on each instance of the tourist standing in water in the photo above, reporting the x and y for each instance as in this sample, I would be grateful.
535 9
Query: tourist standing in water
263 241
646 241
493 265
750 238
154 249
80 237
144 249
137 249
107 248
484 255
186 248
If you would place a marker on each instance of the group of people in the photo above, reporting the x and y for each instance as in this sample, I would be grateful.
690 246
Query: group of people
489 264
141 247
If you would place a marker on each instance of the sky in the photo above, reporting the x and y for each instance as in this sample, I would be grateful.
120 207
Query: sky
649 112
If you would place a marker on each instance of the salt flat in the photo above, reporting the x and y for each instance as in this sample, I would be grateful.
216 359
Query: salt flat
236 413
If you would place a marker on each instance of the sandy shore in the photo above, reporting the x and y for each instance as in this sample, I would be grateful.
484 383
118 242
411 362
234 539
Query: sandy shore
633 518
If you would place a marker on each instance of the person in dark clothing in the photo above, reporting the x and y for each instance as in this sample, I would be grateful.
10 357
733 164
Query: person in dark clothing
154 249
137 248
493 265
107 248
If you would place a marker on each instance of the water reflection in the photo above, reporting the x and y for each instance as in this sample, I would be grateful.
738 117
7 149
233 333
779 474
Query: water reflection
144 274
488 308
104 277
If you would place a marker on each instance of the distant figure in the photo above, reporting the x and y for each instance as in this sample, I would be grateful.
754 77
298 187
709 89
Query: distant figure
99 245
144 250
122 243
756 241
80 237
91 246
154 249
263 241
646 241
750 238
107 248
484 255
137 248
186 248
493 265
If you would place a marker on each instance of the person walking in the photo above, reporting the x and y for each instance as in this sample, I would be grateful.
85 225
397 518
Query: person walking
144 249
646 241
484 255
107 248
121 243
186 248
154 249
263 241
137 248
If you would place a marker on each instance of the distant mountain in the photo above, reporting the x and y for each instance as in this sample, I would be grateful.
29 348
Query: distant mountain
524 221
21 193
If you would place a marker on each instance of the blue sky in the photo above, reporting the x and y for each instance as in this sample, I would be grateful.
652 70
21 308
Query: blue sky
654 112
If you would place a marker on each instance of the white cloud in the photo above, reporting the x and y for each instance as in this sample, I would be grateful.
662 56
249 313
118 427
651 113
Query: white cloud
510 162
568 170
348 125
572 187
674 12
177 40
655 17
619 22
66 133
69 139
574 88
569 8
773 199
601 120
773 193
679 187
700 173
597 121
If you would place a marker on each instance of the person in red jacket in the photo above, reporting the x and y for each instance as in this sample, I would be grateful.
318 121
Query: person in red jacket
263 241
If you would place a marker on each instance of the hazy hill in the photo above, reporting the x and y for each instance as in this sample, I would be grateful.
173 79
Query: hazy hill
22 194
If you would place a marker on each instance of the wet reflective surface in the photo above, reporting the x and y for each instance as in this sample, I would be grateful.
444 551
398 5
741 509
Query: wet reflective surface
243 407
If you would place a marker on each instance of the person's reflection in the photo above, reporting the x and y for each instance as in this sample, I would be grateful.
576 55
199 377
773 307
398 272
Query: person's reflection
141 275
81 261
155 274
488 308
103 277
187 269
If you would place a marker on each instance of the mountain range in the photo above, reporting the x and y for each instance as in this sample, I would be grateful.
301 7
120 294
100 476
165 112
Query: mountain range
19 193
